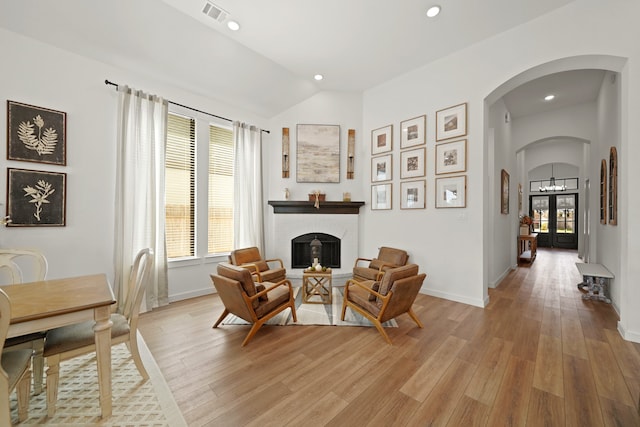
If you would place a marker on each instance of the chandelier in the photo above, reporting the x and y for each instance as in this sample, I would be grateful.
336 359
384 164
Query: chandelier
552 184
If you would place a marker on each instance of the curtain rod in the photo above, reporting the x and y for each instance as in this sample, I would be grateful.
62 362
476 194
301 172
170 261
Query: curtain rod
107 82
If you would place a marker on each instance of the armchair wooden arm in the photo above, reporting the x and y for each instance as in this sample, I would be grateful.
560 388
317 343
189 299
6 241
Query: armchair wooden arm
361 260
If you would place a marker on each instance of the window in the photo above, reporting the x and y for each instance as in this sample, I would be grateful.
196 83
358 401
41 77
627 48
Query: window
220 223
198 188
180 186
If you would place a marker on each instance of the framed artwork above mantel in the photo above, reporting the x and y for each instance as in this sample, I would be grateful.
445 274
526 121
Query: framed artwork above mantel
318 153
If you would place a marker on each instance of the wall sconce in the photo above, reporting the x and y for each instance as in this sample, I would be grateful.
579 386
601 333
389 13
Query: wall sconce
285 152
351 148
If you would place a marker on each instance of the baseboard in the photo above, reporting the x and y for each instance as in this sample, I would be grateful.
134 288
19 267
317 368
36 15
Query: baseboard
191 294
453 297
627 335
500 278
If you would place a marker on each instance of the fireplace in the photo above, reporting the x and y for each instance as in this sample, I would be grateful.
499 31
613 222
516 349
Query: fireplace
301 250
292 219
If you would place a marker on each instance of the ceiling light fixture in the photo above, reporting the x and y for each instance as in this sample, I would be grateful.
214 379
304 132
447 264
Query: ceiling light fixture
318 77
552 184
433 11
549 97
233 25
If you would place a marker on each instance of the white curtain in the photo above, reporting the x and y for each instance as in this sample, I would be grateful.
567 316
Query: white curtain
139 216
247 205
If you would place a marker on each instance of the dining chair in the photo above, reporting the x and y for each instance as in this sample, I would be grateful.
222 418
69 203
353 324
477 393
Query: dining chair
70 341
26 265
15 372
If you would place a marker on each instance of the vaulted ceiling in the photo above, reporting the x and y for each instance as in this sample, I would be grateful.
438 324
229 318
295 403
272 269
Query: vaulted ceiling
268 65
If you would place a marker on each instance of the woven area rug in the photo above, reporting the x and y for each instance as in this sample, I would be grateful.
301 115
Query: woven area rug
136 403
316 314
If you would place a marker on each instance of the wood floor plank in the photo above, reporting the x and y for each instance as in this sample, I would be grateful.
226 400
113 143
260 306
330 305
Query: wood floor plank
512 401
545 409
616 414
420 384
581 402
573 342
609 380
485 383
441 403
469 413
548 374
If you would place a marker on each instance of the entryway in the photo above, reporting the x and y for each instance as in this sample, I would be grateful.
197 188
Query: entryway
555 220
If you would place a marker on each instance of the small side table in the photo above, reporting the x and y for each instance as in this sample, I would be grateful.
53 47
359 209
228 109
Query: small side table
316 287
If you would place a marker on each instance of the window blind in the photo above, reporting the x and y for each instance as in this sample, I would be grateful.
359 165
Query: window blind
220 200
180 186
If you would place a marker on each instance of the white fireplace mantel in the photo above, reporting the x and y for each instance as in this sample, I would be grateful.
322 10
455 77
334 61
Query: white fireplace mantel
307 219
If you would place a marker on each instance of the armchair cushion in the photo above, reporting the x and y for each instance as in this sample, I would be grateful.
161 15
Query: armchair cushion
250 258
277 296
396 274
241 275
387 258
360 296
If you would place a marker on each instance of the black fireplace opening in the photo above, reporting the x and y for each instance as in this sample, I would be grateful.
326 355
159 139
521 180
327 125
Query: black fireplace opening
301 250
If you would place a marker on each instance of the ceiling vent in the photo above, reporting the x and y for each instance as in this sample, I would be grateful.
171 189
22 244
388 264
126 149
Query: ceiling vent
215 12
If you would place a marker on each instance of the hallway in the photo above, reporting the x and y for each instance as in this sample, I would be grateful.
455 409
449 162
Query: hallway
582 370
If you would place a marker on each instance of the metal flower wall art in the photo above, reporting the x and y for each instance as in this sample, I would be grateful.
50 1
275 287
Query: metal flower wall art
44 142
39 195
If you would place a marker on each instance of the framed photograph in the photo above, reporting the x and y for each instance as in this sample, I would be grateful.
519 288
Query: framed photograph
381 140
381 168
413 194
412 163
451 157
451 192
451 122
381 196
318 153
36 134
412 132
504 192
36 198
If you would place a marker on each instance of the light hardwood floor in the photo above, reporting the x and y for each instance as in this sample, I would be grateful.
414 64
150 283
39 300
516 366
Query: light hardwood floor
538 355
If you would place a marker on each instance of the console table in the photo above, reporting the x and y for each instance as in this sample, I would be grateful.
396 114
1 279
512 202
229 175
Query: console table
527 247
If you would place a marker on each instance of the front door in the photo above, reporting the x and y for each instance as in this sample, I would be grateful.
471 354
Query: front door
555 220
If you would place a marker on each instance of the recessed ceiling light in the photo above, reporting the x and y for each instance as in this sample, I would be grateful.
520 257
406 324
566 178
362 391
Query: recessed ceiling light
233 25
433 11
549 97
318 77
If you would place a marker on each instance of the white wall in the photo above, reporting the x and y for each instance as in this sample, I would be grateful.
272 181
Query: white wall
39 74
448 243
608 249
502 228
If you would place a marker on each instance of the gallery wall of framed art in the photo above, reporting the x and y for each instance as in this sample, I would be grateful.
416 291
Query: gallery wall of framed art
450 155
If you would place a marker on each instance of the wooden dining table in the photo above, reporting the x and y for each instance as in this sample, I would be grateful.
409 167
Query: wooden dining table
48 304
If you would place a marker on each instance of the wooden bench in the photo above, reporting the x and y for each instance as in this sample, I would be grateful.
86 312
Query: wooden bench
595 280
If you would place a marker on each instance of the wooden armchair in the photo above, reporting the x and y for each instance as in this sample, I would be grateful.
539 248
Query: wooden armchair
260 268
255 303
386 299
375 267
